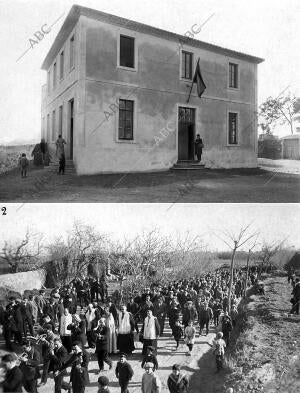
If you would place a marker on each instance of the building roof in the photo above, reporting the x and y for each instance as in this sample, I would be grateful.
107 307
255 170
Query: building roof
76 11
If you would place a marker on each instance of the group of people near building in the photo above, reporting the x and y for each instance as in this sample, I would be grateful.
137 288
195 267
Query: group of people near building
42 156
55 332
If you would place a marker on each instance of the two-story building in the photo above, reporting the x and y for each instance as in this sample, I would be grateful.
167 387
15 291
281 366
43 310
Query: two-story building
117 91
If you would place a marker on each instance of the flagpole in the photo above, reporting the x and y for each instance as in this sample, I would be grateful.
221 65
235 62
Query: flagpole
193 82
190 92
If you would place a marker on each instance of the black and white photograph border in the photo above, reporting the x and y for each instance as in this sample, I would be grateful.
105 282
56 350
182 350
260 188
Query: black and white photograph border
153 101
98 256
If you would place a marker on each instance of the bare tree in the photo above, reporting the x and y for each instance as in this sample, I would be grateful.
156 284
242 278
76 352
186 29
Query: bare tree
22 254
72 255
234 242
267 253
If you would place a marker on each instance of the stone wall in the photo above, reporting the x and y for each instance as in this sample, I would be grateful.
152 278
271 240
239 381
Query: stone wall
9 156
19 282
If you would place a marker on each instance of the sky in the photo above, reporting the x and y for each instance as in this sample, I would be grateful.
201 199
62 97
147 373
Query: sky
265 28
275 223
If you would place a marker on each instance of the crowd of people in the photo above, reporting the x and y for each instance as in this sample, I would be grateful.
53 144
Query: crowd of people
56 331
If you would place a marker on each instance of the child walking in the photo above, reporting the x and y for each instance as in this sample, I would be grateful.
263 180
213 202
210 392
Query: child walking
190 333
24 163
177 333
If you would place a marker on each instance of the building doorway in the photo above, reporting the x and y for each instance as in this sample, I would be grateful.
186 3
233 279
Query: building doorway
186 134
71 127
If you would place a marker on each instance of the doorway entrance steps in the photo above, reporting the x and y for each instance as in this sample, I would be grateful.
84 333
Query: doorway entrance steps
188 165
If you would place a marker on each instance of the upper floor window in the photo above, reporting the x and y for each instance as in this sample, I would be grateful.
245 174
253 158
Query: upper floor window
126 119
127 51
233 75
54 75
61 65
72 43
187 65
232 129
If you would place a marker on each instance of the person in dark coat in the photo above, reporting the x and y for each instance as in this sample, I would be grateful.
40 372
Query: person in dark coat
14 378
160 312
150 357
58 356
77 330
226 327
100 337
205 316
177 382
198 147
30 367
189 313
124 373
173 314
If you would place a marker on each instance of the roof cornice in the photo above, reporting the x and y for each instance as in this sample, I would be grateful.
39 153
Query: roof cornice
76 11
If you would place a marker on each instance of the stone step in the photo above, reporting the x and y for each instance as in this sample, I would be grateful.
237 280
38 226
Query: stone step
179 167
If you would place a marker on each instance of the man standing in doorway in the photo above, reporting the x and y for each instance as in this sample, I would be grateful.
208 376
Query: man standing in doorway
198 147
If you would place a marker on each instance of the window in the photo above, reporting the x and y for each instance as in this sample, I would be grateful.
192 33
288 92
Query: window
48 81
232 128
53 125
233 75
187 65
126 51
72 52
60 120
125 120
61 65
54 75
48 127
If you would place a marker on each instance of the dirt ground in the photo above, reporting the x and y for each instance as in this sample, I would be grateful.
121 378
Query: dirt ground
266 355
221 186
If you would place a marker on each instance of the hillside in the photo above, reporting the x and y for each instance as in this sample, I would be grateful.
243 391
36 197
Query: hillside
266 355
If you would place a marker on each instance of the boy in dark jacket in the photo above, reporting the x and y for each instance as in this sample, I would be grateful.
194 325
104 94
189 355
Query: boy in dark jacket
150 358
177 333
124 373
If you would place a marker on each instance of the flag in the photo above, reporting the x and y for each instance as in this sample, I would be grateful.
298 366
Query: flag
198 80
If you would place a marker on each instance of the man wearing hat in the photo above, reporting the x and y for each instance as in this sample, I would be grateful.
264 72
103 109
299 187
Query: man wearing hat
150 381
124 373
177 382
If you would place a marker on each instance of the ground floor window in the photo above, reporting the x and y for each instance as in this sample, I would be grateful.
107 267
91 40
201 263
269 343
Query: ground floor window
126 119
232 128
